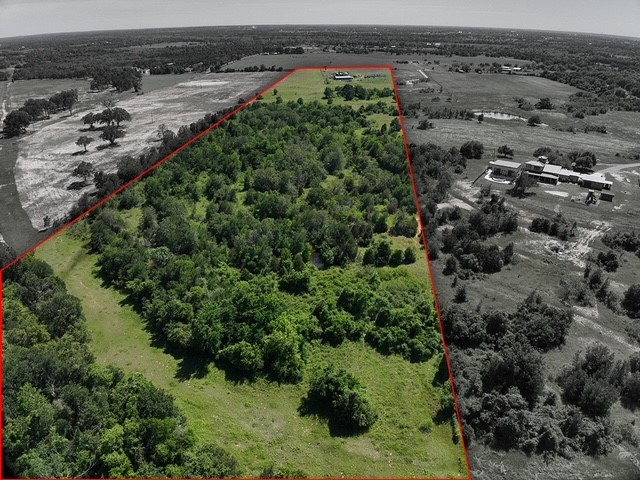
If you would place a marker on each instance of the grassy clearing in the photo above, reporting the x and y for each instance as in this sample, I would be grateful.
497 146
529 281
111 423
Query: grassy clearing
259 422
310 84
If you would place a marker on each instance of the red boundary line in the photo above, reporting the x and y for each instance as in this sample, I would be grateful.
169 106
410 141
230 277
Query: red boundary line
229 115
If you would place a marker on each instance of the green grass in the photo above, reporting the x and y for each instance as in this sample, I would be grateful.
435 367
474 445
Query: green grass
258 422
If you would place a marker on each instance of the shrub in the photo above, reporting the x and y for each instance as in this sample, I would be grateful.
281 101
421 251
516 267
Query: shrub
338 395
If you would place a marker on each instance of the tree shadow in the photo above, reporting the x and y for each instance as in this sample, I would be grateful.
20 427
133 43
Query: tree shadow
107 145
442 375
629 404
76 185
322 411
79 152
513 193
443 415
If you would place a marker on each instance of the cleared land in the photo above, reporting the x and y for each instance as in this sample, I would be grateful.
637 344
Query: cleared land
45 161
36 169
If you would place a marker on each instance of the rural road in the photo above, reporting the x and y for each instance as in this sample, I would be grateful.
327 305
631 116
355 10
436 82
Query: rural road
615 167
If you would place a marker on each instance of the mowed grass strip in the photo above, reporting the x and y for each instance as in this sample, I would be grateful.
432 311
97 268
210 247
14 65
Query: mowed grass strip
259 422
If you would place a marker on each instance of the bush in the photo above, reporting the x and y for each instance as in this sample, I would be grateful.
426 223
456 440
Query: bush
631 301
409 256
534 120
243 357
396 258
337 394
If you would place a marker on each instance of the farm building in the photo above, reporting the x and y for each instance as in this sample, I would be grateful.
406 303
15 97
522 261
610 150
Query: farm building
607 196
597 181
504 168
342 76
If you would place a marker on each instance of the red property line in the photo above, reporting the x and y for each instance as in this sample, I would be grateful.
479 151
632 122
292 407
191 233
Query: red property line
209 130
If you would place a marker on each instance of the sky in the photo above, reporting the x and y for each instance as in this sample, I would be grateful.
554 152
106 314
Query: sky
28 17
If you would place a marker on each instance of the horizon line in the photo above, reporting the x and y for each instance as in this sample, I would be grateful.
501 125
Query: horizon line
258 25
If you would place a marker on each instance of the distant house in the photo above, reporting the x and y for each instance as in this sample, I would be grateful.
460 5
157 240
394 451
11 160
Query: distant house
342 76
596 181
504 168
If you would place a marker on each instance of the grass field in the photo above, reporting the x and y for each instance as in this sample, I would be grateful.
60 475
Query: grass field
258 422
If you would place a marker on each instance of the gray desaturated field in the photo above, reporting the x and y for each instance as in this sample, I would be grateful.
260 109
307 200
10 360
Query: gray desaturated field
36 169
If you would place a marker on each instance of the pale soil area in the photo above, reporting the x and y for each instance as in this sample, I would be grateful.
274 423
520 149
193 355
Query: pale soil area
45 161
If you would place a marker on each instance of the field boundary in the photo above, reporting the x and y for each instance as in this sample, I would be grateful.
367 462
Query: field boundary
198 137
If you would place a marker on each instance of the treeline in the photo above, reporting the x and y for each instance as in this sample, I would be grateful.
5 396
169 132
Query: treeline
65 415
558 226
605 67
122 79
358 92
234 256
34 109
254 68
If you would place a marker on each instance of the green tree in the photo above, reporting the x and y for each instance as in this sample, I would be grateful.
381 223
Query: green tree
544 104
83 141
120 115
523 182
16 123
505 151
631 301
111 133
534 120
472 149
409 256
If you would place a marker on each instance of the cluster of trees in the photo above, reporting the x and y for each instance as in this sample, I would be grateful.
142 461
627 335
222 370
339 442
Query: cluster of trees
558 226
448 113
111 117
596 380
472 149
338 396
464 238
129 167
501 386
544 104
629 241
381 254
254 68
34 109
251 208
358 92
505 151
66 416
122 79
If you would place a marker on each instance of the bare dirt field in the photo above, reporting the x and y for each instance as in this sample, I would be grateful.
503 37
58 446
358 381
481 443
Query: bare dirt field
44 158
